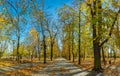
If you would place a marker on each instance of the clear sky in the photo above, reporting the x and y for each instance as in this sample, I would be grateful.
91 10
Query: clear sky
52 5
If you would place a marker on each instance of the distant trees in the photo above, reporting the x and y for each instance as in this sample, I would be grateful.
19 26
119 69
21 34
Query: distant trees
64 14
32 43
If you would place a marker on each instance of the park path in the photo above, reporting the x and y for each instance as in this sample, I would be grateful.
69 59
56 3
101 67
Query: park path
62 67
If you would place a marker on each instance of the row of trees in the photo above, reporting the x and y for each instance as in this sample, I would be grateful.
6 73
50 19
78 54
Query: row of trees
27 17
90 25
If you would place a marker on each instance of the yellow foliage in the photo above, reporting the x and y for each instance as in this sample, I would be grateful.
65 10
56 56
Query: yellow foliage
2 20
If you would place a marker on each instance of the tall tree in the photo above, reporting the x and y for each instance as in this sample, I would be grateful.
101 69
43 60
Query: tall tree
39 17
53 31
19 9
98 40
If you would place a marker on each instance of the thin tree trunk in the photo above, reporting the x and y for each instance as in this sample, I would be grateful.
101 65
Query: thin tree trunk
73 43
73 56
38 48
44 49
13 51
84 55
103 56
69 45
18 57
79 52
114 55
69 51
51 50
39 54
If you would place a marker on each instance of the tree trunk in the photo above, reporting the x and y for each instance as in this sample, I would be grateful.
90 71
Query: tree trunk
96 42
44 49
39 54
69 45
103 56
69 52
73 43
13 51
97 56
38 48
73 56
84 55
18 57
114 55
79 52
51 50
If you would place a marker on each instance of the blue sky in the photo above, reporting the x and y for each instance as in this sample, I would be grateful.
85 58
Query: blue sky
53 5
56 3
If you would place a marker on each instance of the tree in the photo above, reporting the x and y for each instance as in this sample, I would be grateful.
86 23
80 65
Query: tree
39 17
16 20
53 33
98 39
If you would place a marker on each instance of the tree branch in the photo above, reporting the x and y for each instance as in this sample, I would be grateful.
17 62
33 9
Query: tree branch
110 33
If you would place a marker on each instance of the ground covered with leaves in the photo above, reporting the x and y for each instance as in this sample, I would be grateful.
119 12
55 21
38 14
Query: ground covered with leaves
112 69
